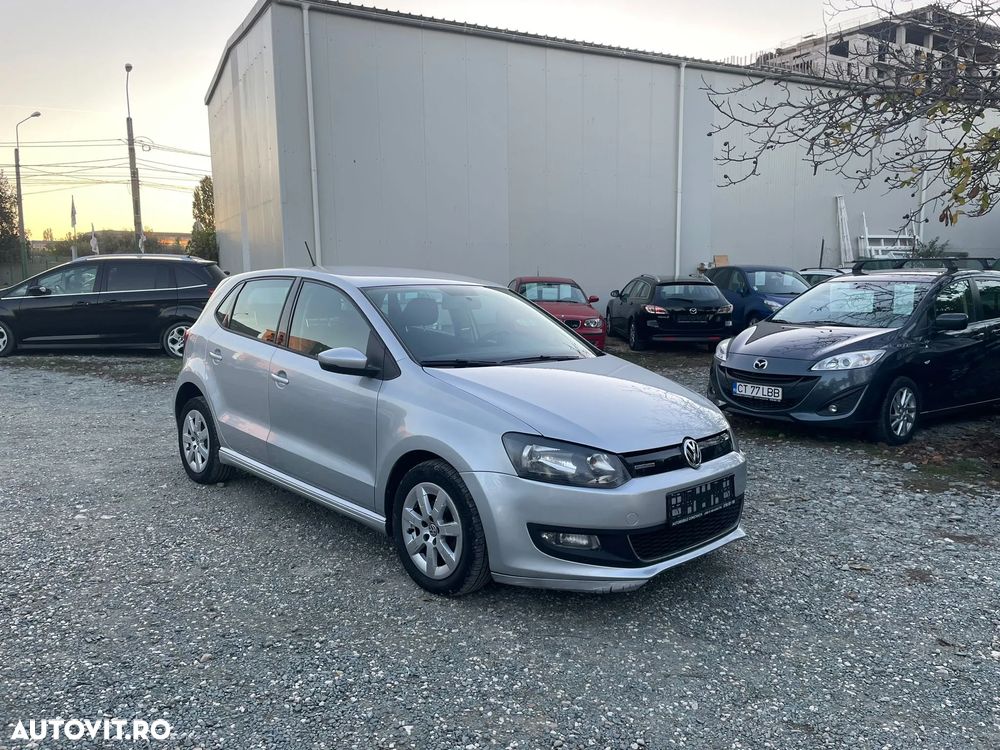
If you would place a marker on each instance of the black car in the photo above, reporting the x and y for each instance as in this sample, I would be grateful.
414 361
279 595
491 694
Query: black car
669 308
879 351
814 276
143 301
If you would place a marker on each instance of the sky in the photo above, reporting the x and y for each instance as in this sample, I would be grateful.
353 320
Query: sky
66 59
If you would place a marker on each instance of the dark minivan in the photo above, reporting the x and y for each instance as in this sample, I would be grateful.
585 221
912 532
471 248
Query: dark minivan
669 308
135 301
877 350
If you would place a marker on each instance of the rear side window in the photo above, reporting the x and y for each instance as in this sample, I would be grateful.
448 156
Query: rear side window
258 308
192 274
989 298
139 275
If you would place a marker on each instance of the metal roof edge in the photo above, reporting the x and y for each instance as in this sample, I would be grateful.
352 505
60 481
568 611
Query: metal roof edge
520 37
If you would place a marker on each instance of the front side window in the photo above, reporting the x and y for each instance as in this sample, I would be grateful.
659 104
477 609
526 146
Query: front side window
553 291
776 282
69 280
465 325
989 298
736 282
258 308
954 298
325 318
856 303
137 276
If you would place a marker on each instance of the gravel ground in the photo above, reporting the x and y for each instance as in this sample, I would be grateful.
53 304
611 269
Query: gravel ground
861 611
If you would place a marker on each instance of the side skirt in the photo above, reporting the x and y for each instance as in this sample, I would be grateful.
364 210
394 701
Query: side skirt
339 504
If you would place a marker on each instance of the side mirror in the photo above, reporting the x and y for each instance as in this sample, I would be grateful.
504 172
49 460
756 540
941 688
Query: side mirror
593 298
346 360
951 322
616 293
38 291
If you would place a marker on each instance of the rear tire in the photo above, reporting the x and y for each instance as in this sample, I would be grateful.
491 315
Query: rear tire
172 339
8 343
635 343
198 442
437 531
899 413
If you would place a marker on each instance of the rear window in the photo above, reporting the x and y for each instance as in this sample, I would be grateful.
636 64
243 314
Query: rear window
197 274
688 293
258 308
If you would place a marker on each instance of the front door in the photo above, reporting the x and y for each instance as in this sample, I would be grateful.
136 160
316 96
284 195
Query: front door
60 307
323 423
954 362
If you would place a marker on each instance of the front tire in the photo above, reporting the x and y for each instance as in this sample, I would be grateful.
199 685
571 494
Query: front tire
610 332
172 340
8 343
437 531
635 343
899 412
198 442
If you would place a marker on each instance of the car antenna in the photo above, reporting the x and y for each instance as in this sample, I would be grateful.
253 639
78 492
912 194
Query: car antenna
311 258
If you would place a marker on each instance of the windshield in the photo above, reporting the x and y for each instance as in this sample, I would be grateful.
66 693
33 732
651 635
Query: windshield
553 291
685 293
777 282
857 303
466 326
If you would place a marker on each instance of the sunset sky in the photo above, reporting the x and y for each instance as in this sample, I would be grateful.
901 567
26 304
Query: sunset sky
66 58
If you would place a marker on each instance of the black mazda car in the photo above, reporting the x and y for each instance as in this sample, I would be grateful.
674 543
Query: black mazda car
874 350
145 301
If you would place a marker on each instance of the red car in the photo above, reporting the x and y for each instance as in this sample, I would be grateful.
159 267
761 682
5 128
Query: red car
564 299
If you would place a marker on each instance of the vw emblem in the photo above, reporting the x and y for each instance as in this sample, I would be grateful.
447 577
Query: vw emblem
760 364
692 452
693 310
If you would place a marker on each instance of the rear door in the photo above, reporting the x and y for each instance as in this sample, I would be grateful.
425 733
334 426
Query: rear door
137 298
239 357
989 314
323 423
60 307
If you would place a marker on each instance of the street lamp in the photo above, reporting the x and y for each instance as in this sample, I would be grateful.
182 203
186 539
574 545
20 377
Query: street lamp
20 200
133 170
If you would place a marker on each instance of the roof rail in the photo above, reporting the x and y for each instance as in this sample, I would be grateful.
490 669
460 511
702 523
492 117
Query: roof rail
858 269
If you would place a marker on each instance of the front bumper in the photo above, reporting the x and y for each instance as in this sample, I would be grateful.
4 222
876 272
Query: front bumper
509 505
596 338
847 398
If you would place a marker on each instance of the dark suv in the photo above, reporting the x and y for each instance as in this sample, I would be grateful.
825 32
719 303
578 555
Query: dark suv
143 301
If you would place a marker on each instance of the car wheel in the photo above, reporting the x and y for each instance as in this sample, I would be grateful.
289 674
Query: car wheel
608 329
437 531
635 343
7 341
897 417
173 339
199 444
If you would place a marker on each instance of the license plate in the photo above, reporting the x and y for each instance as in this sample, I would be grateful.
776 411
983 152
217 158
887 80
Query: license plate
766 392
698 502
691 318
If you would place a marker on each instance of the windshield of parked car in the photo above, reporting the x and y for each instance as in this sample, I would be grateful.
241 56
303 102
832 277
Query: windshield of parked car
667 294
553 291
468 326
861 303
777 282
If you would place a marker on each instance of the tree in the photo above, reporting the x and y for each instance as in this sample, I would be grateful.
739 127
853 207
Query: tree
10 249
913 117
47 234
204 243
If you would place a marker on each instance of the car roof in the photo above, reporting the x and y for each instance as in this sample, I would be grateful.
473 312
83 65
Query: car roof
360 276
671 279
553 279
144 256
915 274
756 267
822 269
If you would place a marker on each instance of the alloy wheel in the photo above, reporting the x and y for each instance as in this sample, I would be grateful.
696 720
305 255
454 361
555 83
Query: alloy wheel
903 412
175 340
633 334
4 339
196 441
432 530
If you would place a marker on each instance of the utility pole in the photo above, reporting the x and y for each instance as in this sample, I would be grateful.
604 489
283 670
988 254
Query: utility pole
133 170
20 200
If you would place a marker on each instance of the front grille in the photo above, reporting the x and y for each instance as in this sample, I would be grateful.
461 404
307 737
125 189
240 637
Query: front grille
662 460
762 378
668 541
574 324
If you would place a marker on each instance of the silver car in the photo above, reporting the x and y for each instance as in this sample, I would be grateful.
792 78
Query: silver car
484 437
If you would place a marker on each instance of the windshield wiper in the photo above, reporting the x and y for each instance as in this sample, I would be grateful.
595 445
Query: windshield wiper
459 363
537 358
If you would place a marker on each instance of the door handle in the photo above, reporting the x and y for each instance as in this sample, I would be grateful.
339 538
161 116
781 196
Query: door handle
216 356
83 302
280 377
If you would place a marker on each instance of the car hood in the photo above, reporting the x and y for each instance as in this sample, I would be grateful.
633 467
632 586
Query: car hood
603 402
769 339
569 310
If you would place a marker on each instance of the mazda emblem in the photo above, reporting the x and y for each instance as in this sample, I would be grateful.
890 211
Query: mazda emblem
693 310
760 364
692 452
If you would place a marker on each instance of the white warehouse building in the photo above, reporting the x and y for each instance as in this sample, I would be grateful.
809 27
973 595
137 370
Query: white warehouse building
383 138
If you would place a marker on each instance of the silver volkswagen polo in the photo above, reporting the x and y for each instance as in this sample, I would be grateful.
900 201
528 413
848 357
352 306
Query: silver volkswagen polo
484 437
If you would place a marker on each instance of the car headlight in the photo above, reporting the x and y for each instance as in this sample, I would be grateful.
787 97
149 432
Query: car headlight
849 361
592 323
726 310
722 350
773 306
545 460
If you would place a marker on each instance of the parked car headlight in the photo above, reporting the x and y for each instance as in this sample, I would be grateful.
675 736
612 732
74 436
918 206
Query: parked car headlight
773 306
592 323
547 460
726 310
849 361
722 350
